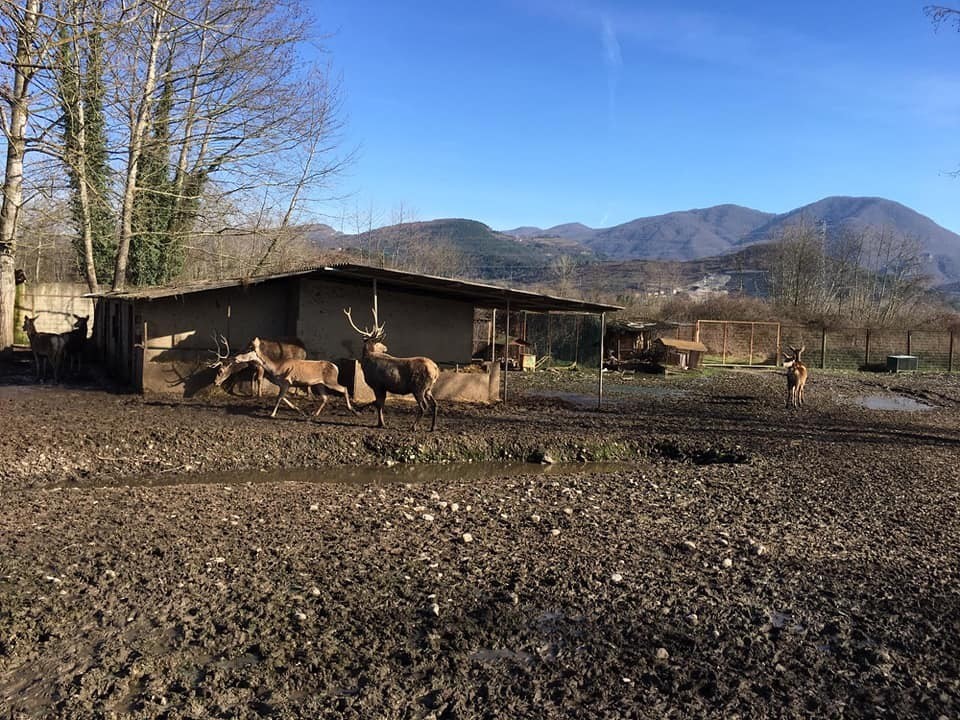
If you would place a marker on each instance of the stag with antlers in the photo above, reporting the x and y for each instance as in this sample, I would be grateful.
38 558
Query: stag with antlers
796 376
277 350
317 376
400 376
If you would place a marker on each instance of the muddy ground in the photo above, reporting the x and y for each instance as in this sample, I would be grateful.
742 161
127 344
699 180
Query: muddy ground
739 560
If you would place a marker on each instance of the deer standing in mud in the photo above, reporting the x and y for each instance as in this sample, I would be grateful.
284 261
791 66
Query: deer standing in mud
75 340
401 376
796 377
318 376
277 350
47 348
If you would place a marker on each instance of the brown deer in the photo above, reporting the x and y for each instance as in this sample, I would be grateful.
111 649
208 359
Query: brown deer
400 376
47 348
796 377
277 350
318 376
76 339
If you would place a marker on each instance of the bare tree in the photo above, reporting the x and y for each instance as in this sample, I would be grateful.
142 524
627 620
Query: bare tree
19 34
204 99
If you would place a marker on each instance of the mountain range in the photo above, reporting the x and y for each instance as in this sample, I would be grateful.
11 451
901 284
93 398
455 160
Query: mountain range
525 253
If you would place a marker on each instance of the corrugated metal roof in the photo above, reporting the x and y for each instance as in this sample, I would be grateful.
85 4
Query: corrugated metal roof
155 293
482 294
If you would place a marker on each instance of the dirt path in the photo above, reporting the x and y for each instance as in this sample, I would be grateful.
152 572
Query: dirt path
745 560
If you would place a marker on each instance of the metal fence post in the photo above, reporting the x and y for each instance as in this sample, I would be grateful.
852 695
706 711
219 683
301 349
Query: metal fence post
866 352
950 354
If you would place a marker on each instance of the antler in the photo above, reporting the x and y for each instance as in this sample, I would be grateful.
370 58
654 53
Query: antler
365 333
378 330
221 357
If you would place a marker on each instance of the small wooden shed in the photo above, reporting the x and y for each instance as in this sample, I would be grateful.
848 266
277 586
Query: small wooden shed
684 354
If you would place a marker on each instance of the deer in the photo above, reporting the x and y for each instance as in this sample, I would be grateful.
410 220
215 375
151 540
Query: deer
47 348
318 376
75 341
277 350
401 376
796 376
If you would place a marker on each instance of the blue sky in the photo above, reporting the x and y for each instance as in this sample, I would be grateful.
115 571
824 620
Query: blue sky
541 112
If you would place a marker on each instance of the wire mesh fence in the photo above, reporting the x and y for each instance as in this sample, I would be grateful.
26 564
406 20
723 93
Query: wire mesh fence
566 339
757 344
739 343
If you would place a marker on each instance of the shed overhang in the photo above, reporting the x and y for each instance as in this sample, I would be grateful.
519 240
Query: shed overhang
480 294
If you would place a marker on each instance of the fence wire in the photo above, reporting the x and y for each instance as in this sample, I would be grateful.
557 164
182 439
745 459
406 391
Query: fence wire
728 343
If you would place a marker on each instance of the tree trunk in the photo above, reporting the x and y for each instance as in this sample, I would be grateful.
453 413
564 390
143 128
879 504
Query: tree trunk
138 130
23 70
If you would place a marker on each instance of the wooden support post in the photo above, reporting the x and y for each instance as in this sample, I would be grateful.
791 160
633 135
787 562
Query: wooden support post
723 355
866 352
506 352
600 372
823 348
950 354
550 337
909 343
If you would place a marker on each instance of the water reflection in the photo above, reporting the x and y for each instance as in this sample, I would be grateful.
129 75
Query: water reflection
892 402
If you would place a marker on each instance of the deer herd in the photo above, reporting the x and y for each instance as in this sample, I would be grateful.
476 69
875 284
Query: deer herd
52 350
284 361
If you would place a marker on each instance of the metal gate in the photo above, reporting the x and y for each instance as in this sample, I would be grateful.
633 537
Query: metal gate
739 343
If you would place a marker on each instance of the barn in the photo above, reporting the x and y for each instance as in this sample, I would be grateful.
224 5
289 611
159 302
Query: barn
158 340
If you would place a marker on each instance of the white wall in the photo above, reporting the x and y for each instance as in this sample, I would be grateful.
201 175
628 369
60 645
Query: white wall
55 304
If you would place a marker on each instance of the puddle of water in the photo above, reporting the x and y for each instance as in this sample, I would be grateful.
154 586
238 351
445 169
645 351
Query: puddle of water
892 402
370 474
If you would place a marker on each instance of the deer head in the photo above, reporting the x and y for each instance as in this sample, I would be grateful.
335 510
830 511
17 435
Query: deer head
29 324
791 360
81 322
223 361
372 339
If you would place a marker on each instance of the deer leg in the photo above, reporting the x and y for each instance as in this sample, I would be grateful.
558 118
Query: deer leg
259 380
346 399
322 392
433 402
421 399
284 386
337 388
379 402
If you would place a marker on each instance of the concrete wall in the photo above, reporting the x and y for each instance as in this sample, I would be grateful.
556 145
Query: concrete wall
415 324
179 331
459 385
54 303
